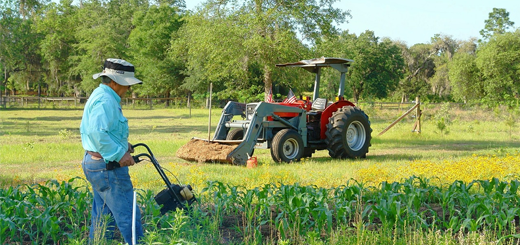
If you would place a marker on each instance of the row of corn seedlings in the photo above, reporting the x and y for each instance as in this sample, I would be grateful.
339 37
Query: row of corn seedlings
294 210
43 213
57 212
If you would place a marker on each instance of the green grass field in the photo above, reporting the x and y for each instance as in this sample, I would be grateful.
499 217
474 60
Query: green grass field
468 144
37 145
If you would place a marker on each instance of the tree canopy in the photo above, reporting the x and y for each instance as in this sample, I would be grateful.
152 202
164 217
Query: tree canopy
377 68
497 23
499 64
55 47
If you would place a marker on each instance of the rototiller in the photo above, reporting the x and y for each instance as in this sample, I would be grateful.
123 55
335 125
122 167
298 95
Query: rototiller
175 196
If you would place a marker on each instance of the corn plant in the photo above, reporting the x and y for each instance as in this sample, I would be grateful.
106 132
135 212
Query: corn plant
58 212
43 212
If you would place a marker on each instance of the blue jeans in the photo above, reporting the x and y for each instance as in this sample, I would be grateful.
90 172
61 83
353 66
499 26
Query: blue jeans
113 196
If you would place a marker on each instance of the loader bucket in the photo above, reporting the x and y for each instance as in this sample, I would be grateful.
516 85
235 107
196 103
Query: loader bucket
208 151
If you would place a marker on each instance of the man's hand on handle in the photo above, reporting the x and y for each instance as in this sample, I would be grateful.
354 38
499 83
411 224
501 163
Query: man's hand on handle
130 148
126 160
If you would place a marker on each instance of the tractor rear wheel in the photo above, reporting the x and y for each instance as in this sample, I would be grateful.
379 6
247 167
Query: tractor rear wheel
287 146
348 133
235 134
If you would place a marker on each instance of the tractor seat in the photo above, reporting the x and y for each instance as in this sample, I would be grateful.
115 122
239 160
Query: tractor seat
319 104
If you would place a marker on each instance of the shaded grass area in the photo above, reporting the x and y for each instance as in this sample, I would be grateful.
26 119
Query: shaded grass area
37 145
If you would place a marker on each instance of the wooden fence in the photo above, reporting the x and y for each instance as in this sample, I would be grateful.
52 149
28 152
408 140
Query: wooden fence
60 102
12 101
67 102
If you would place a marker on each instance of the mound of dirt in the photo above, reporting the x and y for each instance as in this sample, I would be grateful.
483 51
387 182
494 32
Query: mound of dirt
205 151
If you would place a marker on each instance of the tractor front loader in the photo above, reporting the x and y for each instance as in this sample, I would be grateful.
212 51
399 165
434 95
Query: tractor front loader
290 130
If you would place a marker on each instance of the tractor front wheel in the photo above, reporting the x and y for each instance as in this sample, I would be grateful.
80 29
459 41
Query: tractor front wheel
348 133
287 146
235 134
238 134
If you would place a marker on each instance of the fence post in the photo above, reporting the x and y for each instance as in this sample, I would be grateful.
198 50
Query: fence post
417 125
209 122
189 103
399 119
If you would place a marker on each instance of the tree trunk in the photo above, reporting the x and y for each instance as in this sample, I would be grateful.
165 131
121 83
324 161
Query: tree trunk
189 101
5 80
168 97
268 82
207 98
404 98
356 97
356 93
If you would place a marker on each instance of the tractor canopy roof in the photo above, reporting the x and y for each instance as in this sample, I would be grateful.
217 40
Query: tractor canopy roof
313 65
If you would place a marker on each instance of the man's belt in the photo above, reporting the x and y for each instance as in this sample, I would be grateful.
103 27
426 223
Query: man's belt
113 165
94 154
110 165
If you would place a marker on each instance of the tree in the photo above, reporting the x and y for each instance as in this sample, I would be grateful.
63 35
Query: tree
10 48
423 61
211 49
57 26
102 33
377 67
465 77
149 42
446 47
418 67
19 44
498 60
497 23
255 36
275 24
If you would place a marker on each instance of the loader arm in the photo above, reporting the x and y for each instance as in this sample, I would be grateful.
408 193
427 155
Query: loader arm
230 110
257 115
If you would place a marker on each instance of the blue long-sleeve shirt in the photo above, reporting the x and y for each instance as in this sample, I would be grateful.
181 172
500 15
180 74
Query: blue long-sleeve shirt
103 127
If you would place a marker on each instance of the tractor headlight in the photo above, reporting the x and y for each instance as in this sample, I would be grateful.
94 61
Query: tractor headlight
250 111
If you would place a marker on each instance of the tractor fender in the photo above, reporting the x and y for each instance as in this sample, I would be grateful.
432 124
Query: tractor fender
327 113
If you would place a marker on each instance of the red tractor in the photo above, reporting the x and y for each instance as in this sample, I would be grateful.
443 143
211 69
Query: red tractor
291 130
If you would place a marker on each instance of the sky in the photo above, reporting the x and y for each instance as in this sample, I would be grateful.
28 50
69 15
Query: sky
417 21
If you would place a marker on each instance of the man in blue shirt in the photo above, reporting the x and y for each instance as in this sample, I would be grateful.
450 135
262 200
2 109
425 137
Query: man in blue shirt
104 136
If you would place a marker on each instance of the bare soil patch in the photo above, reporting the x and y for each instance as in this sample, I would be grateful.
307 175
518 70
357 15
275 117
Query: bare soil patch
205 151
